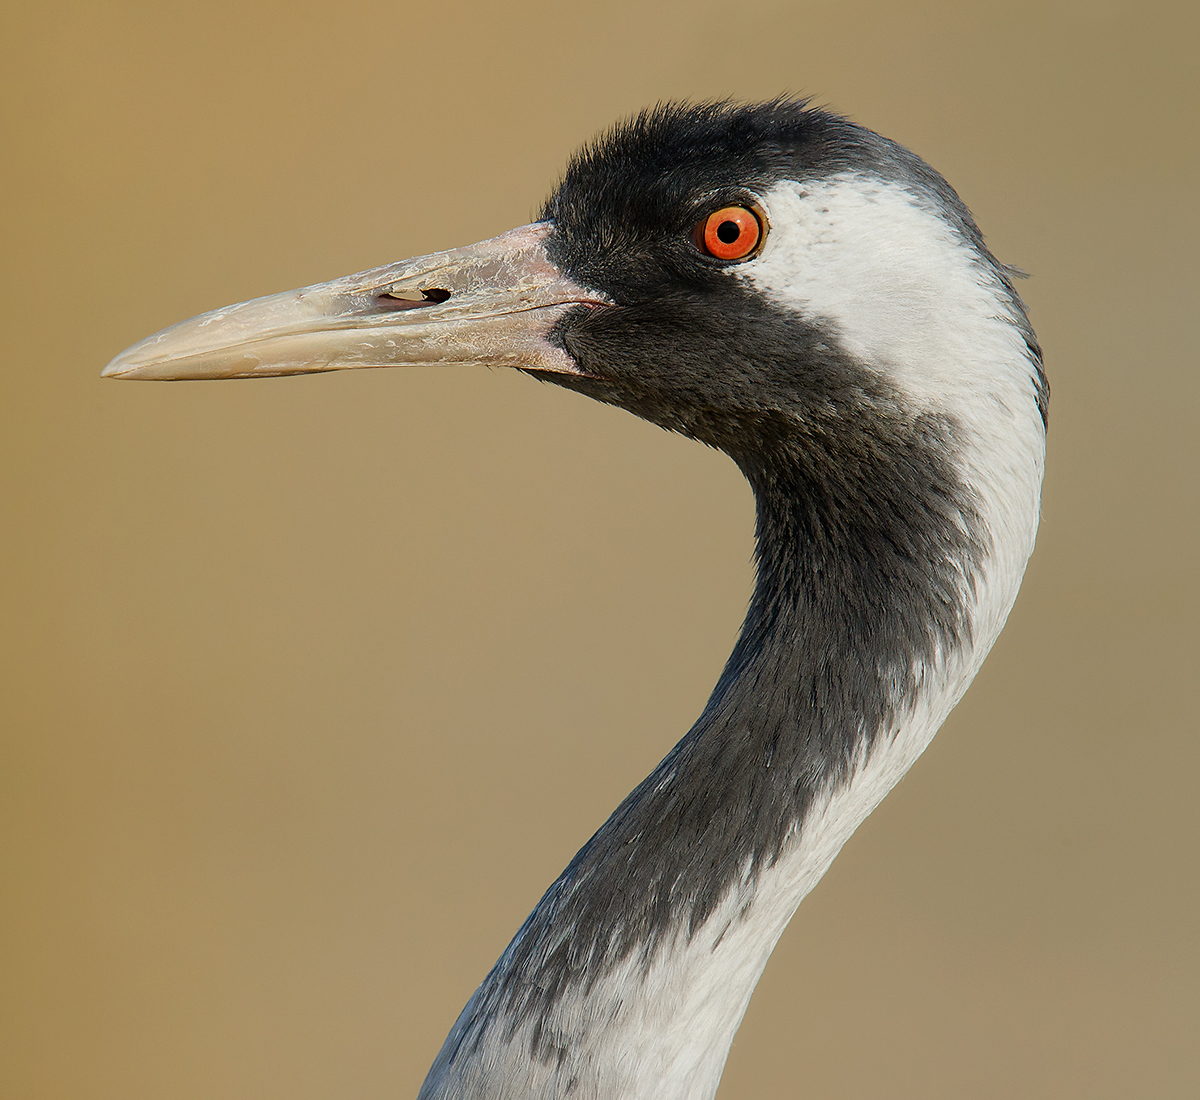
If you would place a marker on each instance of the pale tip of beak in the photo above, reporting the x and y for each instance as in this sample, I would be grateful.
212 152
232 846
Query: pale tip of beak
132 362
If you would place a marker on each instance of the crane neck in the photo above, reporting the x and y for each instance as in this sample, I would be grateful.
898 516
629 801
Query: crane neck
881 584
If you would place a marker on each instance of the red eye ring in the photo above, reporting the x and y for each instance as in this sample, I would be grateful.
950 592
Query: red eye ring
731 233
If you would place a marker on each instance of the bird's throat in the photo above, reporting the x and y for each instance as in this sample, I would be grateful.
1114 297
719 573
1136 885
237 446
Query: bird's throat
633 972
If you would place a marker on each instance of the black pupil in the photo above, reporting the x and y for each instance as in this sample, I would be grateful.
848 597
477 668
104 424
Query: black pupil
728 232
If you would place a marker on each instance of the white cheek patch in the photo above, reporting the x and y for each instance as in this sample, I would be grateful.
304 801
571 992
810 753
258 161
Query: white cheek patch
901 289
908 298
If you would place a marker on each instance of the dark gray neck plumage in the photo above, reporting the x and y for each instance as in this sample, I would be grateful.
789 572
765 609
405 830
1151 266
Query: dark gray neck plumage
864 541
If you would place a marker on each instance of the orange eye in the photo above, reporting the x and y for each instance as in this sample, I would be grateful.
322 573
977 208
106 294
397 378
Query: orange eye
732 233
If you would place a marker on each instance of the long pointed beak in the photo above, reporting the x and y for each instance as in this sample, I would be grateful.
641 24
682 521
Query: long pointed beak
494 302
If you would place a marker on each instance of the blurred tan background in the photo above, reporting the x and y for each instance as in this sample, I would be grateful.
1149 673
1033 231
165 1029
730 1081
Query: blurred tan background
311 686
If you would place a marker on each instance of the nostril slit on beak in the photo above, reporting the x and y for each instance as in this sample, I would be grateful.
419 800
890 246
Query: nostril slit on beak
412 299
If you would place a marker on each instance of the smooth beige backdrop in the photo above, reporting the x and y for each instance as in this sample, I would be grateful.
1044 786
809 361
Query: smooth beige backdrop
310 686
